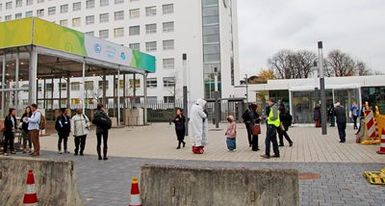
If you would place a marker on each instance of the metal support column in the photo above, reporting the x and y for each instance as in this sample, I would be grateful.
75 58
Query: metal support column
33 76
83 86
3 85
17 71
52 88
60 92
104 101
68 92
134 88
114 95
118 96
124 100
322 89
145 98
44 88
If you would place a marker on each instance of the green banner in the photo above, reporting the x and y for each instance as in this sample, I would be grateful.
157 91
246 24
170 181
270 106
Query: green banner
16 33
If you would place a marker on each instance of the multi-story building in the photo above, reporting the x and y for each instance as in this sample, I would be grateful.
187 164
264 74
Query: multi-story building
204 30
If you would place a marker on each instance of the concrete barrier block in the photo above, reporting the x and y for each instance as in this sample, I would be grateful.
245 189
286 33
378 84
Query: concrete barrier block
187 186
54 180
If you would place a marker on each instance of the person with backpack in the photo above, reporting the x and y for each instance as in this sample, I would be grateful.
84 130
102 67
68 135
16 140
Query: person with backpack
180 127
286 121
63 128
80 129
10 125
35 123
24 130
103 124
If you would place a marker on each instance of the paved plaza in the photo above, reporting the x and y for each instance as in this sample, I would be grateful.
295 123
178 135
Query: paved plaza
336 168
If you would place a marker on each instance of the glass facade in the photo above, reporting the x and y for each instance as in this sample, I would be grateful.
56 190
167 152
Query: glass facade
375 96
211 46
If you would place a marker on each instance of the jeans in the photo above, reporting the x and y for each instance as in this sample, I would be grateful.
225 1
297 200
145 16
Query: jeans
80 141
341 131
26 140
271 137
62 138
355 121
99 136
231 144
9 139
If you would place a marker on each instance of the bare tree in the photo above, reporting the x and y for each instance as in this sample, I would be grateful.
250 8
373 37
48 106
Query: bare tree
341 64
362 69
280 64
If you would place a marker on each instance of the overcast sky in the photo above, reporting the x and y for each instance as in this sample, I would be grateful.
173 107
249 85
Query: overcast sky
354 26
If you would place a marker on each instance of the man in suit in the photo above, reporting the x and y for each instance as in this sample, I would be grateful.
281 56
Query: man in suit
340 114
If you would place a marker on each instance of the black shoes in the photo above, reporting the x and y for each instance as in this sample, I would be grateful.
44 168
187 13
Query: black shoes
100 158
105 158
184 144
178 147
291 144
281 145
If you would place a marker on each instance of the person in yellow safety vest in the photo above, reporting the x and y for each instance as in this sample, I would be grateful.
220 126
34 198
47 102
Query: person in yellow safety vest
273 122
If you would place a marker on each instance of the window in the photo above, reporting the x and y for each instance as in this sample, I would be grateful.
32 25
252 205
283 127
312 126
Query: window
90 33
63 86
151 11
103 34
64 8
168 8
137 83
28 13
51 11
8 17
119 32
90 20
134 13
40 1
40 12
48 87
134 46
104 2
89 85
75 101
152 82
19 3
119 15
168 26
101 84
76 22
169 99
8 5
168 44
75 86
152 100
119 1
29 2
151 46
1 7
104 17
18 15
64 22
169 63
77 6
168 81
150 28
134 30
90 4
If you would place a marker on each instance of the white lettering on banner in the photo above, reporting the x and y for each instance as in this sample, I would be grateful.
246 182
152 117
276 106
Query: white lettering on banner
107 51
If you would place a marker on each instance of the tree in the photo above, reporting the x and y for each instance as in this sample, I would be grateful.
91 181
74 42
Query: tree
266 74
341 64
287 64
362 69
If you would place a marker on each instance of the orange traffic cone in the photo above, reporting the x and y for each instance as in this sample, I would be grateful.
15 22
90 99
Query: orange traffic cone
135 195
382 146
30 196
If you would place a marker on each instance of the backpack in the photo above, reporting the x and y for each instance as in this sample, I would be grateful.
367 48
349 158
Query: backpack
289 119
42 122
102 121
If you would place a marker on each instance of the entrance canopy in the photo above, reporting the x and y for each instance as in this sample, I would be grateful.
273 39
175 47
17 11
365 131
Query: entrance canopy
33 50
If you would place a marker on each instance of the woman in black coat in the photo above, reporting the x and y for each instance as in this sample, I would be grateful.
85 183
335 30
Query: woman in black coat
10 125
251 117
180 127
286 120
24 130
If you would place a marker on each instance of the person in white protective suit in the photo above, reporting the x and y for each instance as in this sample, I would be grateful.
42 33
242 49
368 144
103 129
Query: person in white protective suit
198 126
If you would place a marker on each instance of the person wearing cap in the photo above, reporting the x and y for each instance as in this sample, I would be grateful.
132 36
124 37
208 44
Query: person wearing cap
63 128
340 114
273 121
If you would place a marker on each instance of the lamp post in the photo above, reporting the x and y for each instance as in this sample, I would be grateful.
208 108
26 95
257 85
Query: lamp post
185 100
322 88
217 104
247 88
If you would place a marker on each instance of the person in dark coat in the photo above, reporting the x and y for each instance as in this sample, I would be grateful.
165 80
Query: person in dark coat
331 116
251 117
341 121
24 130
103 124
317 116
180 127
247 120
10 125
286 120
63 128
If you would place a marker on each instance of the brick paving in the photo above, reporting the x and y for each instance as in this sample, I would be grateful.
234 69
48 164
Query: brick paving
339 166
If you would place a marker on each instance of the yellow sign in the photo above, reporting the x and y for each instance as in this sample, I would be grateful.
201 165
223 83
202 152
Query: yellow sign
16 33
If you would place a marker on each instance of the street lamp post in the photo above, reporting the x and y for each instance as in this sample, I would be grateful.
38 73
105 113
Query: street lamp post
322 88
247 88
217 104
185 101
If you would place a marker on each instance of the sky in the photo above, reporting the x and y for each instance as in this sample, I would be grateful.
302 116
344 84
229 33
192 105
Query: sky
356 27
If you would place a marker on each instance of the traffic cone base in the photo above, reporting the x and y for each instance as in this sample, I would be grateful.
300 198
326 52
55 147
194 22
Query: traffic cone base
135 194
30 196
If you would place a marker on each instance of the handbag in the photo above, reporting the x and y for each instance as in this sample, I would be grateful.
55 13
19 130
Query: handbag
256 129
